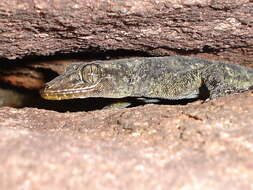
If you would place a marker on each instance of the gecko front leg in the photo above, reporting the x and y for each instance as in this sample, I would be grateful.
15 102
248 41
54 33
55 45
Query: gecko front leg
214 80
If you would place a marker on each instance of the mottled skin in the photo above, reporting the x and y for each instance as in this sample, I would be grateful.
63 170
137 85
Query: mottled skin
171 78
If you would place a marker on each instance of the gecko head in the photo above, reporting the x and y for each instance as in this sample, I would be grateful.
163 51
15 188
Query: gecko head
87 80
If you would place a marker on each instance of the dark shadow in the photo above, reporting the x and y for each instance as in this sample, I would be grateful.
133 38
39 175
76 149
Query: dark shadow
20 98
91 54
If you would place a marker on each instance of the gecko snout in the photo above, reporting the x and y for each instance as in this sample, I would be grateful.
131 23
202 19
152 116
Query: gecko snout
45 87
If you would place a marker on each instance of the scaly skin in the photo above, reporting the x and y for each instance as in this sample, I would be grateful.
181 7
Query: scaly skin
173 77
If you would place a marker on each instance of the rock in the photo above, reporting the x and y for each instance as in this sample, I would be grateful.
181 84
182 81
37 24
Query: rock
216 29
196 146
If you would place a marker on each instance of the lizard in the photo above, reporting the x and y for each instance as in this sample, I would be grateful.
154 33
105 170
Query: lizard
169 77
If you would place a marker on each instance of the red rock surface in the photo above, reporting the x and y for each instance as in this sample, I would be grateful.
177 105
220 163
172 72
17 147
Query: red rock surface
217 29
196 146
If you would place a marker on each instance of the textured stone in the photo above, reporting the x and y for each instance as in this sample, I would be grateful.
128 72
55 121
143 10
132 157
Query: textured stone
218 29
196 146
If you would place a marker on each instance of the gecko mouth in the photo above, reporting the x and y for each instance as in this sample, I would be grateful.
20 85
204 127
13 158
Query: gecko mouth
48 94
62 95
58 95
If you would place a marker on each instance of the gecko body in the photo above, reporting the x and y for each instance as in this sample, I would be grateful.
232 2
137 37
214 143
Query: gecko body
172 78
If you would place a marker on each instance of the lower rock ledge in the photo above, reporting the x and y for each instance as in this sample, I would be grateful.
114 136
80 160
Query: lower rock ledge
146 147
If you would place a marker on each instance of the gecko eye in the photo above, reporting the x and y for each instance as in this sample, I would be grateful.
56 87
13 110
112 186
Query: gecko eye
91 73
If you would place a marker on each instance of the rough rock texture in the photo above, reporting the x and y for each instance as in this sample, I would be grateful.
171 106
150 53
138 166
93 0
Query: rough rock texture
216 28
197 146
213 29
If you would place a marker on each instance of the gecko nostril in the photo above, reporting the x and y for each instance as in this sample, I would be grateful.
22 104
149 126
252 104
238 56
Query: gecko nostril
46 86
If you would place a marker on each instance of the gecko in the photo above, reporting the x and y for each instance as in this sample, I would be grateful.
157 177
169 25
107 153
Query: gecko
150 78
